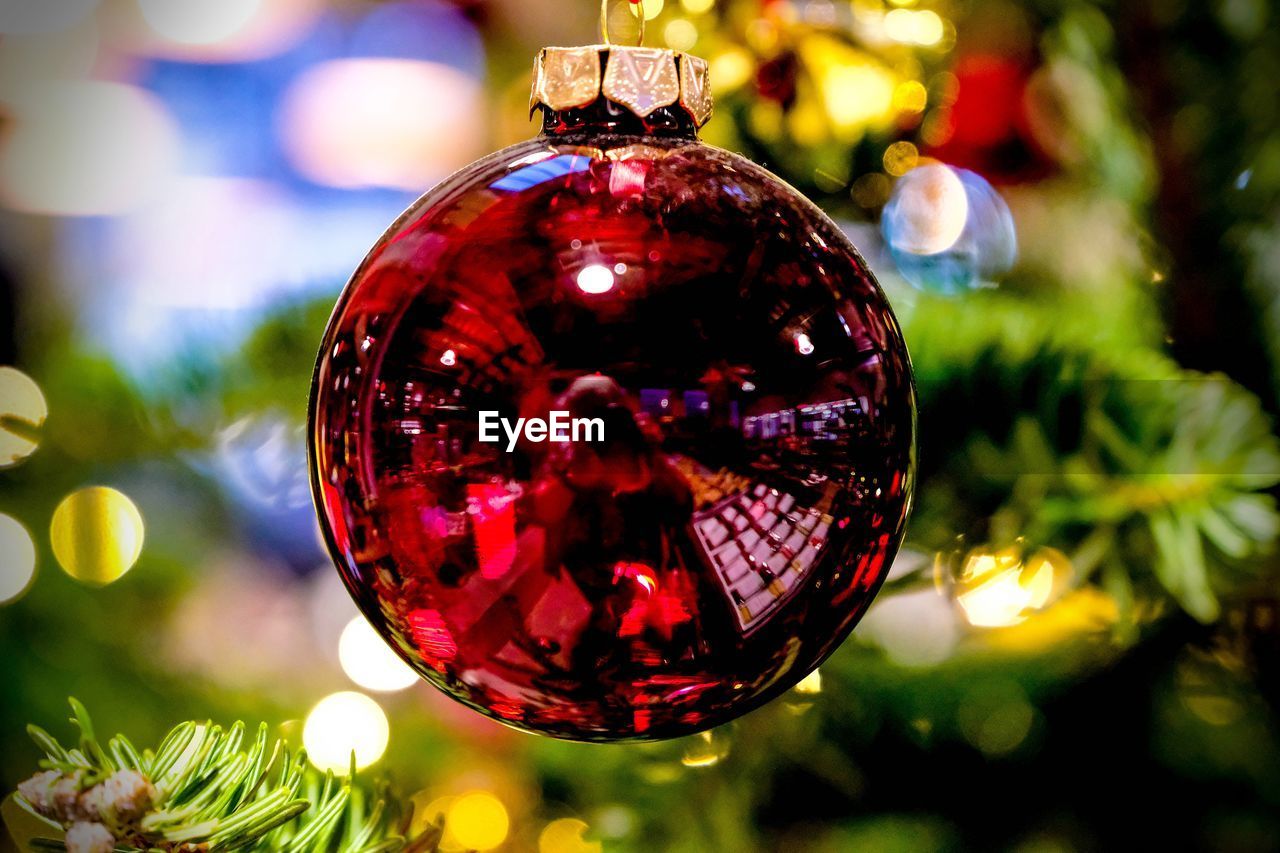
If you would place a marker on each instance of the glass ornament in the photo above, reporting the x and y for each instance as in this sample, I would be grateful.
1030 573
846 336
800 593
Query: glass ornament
729 477
948 230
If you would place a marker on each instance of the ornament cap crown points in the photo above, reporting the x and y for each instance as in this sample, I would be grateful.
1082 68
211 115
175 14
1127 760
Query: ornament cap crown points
642 79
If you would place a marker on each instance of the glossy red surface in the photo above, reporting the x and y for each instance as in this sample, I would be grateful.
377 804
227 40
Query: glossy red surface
758 421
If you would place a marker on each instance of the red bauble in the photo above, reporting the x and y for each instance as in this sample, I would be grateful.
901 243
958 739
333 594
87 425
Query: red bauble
757 411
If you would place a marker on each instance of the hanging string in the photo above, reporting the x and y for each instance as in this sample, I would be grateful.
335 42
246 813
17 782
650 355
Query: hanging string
604 21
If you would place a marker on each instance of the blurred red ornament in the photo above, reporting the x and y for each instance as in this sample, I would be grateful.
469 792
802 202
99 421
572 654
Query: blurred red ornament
737 477
986 128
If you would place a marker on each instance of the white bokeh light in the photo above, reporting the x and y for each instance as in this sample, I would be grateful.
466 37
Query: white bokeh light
17 559
83 148
343 723
369 662
199 21
377 122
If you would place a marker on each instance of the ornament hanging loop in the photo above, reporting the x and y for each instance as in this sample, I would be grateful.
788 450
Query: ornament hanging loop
604 21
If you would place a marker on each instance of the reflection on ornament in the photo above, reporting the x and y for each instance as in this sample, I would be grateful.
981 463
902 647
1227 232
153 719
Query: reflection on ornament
96 534
83 148
565 835
475 821
342 724
377 122
728 525
18 566
948 230
595 279
22 414
367 660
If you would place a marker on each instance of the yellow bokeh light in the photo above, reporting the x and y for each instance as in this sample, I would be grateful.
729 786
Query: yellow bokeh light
343 723
910 96
564 835
96 534
652 8
924 27
22 413
680 34
999 589
369 661
705 749
857 95
17 559
901 157
730 69
697 7
476 821
811 684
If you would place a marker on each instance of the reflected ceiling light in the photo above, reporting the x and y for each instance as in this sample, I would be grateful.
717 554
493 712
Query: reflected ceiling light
377 122
449 358
84 148
804 345
595 278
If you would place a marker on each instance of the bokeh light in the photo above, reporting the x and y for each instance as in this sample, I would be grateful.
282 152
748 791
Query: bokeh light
998 589
810 685
17 559
226 31
82 148
96 534
947 229
706 748
652 8
22 412
378 122
345 723
198 21
565 835
680 34
475 821
43 16
369 662
65 54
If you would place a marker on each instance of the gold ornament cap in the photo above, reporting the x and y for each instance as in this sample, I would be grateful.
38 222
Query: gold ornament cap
641 79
